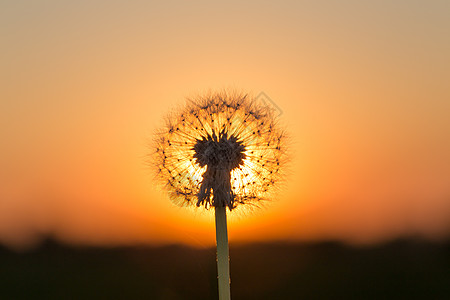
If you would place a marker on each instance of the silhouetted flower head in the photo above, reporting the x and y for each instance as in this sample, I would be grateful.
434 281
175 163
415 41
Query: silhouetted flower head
221 149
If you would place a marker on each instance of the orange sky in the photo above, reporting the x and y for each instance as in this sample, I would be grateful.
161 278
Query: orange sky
363 87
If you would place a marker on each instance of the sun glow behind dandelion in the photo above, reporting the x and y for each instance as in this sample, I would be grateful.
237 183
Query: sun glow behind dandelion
222 143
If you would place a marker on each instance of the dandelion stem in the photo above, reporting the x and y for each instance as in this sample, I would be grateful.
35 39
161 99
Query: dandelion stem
223 266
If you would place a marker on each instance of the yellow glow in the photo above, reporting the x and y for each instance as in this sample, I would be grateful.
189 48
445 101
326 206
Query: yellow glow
239 178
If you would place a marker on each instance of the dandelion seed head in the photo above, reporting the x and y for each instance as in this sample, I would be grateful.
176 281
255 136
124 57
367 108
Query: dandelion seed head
221 149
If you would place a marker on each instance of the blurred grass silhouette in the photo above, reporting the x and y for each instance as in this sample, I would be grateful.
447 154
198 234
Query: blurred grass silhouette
402 269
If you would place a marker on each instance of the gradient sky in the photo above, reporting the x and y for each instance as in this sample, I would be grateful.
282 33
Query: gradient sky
363 87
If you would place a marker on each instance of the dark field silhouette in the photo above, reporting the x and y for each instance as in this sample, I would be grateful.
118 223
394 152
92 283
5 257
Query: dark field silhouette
402 269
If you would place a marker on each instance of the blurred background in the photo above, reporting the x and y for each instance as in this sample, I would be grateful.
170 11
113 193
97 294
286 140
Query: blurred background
362 88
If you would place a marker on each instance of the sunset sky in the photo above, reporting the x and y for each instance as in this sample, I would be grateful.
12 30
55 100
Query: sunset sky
363 88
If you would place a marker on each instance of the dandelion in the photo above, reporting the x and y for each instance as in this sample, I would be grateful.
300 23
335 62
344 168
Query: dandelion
221 150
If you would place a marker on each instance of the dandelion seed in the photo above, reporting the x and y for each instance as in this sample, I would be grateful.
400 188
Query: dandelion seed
214 139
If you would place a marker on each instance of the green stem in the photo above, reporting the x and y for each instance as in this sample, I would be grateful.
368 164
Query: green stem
223 261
